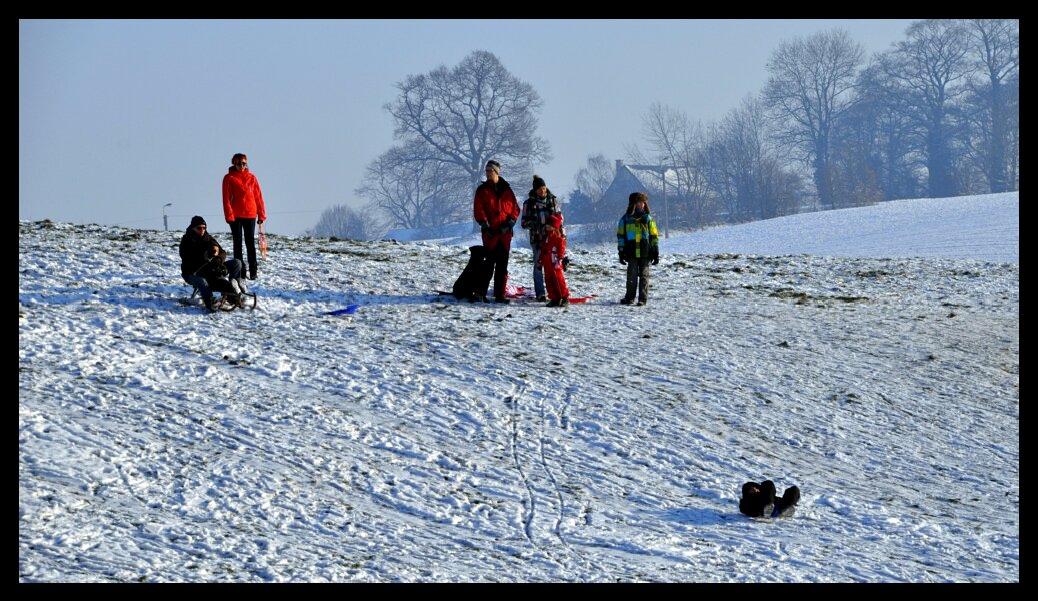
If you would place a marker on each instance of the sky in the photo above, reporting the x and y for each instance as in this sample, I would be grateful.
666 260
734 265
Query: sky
119 117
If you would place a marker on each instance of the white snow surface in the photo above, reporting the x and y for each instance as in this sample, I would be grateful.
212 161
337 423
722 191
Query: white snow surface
421 439
985 227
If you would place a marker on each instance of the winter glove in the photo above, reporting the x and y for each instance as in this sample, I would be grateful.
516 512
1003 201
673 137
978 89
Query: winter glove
565 263
656 260
507 227
623 261
215 268
484 227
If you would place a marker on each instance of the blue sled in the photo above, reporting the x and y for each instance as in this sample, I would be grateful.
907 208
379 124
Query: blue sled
349 310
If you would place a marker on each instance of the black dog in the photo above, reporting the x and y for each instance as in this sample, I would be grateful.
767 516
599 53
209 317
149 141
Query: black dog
475 278
758 500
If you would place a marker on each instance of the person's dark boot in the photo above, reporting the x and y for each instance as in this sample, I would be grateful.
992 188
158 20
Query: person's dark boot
786 505
553 303
767 489
626 301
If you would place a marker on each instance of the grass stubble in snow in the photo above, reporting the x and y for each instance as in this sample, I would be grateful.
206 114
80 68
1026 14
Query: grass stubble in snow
425 440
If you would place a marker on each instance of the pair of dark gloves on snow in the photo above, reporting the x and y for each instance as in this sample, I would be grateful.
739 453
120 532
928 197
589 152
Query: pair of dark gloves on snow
759 500
655 259
506 227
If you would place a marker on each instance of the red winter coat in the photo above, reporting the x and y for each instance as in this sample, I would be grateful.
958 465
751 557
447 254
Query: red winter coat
553 250
242 197
497 207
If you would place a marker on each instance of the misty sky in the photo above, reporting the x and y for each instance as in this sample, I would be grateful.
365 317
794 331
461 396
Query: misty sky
117 118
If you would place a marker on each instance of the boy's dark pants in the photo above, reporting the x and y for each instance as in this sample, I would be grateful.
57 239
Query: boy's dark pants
637 279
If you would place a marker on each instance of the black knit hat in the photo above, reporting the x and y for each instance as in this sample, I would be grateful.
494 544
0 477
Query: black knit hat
196 221
538 182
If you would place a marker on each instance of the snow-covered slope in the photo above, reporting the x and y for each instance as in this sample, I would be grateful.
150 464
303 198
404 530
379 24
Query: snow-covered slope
421 439
984 227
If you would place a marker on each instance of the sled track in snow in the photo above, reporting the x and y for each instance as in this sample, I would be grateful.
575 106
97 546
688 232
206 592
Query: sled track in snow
513 402
555 483
530 511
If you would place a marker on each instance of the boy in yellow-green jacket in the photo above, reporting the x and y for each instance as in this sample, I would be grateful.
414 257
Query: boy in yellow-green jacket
637 241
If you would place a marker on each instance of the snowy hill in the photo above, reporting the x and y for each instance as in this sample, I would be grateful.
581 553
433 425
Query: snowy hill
425 440
984 227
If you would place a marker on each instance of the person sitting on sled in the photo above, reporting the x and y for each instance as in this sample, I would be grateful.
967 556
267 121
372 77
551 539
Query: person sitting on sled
203 264
759 500
554 261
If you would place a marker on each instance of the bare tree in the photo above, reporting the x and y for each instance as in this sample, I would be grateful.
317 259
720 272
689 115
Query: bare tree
1013 109
594 178
463 116
901 167
744 171
995 55
875 159
680 143
809 88
415 192
928 68
585 202
345 222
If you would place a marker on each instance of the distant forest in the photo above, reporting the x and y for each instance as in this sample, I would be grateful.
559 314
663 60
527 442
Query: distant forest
935 115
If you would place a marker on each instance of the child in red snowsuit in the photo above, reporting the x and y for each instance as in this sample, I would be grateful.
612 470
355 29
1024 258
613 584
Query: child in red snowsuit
554 262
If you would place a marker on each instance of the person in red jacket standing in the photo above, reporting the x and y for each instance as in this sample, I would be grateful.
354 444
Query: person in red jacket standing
554 261
496 210
242 206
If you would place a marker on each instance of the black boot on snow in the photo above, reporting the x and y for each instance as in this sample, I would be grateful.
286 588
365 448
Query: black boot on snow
786 505
767 489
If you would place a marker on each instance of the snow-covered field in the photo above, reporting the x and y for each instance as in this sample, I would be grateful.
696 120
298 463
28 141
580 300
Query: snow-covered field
424 440
984 227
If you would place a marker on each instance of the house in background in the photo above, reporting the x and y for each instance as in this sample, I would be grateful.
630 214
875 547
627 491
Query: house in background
661 182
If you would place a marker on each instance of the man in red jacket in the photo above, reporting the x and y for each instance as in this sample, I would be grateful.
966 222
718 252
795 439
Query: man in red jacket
496 210
242 205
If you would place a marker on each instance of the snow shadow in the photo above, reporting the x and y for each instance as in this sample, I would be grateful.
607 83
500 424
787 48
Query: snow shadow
697 517
168 297
133 296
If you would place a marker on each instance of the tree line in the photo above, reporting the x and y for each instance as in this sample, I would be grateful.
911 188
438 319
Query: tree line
935 115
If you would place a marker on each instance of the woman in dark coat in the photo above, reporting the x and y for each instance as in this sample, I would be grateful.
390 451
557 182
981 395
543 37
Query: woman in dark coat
540 205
